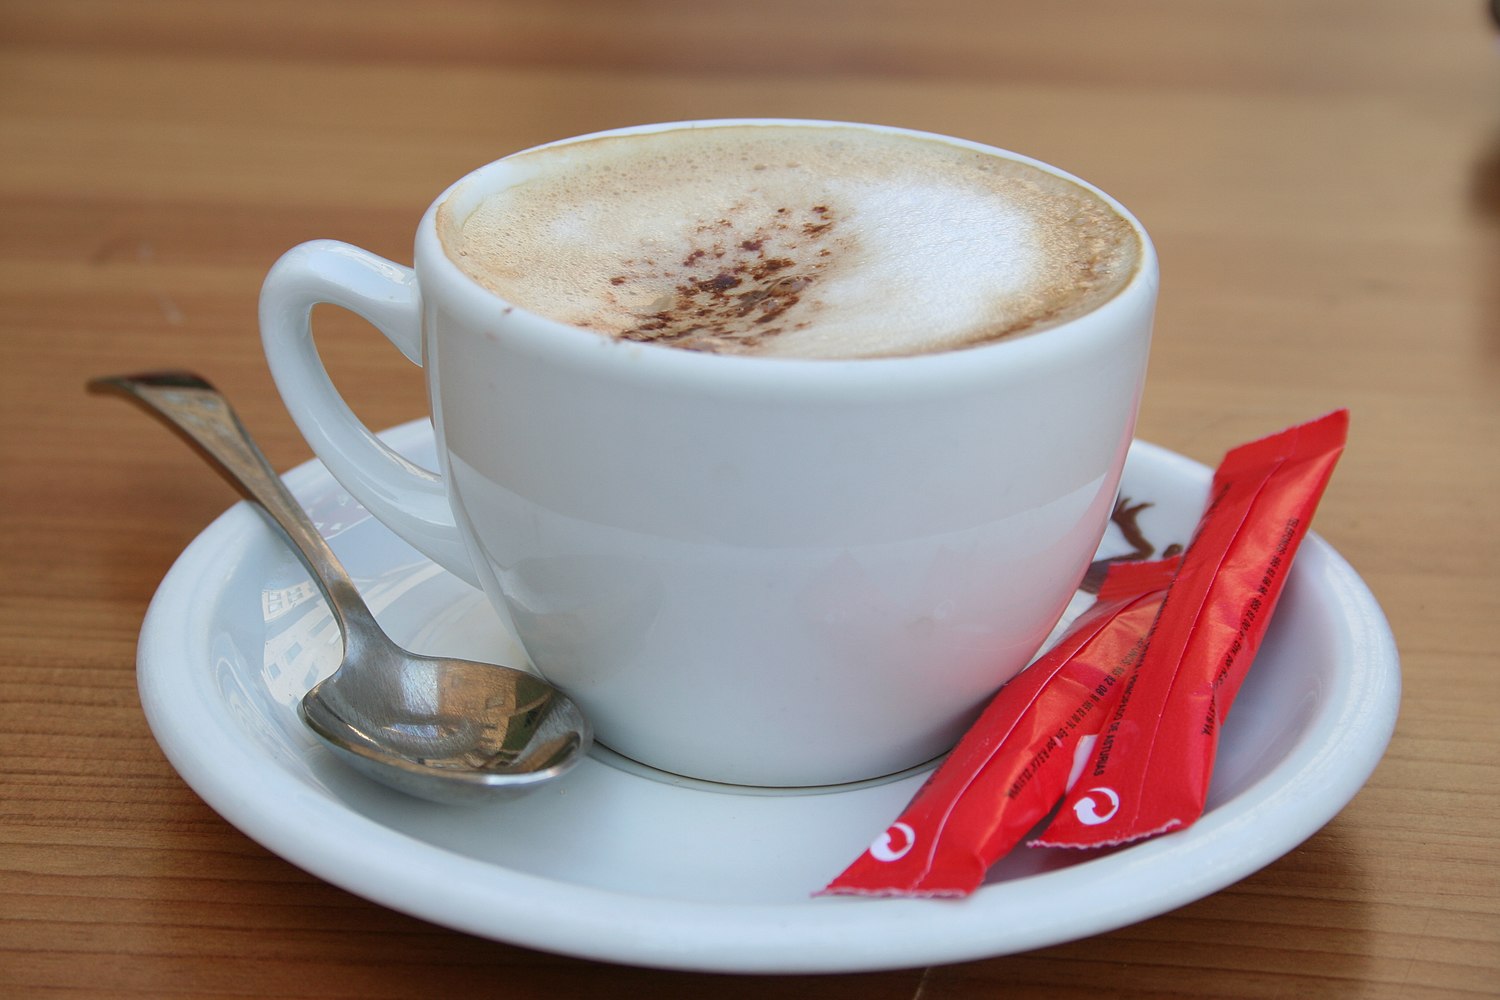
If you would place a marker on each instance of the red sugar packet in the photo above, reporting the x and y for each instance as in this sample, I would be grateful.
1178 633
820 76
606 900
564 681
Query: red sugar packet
1151 765
1013 764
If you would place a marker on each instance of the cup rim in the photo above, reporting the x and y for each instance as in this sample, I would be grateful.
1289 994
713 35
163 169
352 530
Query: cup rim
544 336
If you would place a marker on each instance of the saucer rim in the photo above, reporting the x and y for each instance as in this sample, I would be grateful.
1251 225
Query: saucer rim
346 848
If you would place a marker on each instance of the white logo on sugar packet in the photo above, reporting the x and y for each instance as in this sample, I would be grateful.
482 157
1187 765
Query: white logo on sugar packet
893 844
1087 808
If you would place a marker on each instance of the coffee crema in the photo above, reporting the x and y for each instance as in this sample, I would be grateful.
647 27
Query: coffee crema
793 241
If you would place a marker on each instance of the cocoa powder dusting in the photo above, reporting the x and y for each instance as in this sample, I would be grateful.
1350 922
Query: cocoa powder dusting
737 284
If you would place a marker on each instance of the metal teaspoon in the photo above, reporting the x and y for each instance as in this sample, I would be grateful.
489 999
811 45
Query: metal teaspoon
450 731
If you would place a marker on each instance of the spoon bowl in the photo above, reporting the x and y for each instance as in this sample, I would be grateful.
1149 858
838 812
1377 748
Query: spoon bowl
446 730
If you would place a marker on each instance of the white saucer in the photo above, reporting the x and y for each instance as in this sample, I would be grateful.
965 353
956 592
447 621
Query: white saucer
626 865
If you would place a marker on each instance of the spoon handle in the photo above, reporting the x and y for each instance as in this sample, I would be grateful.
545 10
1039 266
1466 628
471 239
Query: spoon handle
189 405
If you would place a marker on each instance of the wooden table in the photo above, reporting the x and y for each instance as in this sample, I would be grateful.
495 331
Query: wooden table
1323 182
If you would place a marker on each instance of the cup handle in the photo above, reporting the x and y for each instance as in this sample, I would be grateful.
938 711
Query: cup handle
405 497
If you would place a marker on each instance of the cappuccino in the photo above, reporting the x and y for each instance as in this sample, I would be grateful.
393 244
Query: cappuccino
793 241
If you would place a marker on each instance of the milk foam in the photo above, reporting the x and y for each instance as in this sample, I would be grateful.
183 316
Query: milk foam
796 241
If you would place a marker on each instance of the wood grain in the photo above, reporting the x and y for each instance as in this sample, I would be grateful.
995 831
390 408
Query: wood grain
1323 182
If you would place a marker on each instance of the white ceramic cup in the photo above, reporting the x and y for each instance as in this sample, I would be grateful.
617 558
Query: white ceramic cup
750 570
